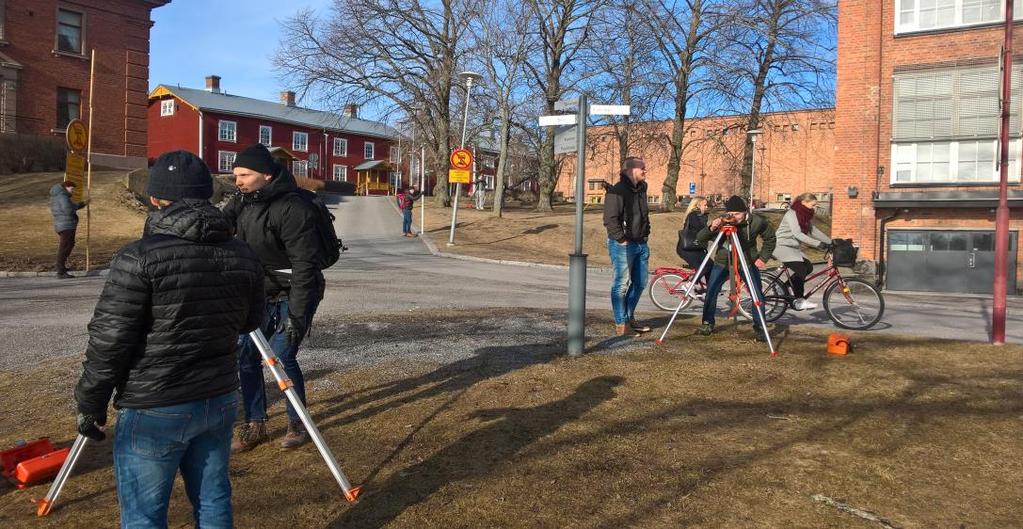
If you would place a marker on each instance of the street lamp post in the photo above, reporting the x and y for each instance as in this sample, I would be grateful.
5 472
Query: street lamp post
469 78
752 134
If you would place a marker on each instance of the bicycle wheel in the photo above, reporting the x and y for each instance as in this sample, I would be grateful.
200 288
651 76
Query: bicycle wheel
856 306
667 290
775 301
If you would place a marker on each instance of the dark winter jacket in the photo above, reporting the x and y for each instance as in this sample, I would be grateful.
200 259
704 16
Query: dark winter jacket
280 226
166 325
693 225
749 230
626 212
65 212
407 199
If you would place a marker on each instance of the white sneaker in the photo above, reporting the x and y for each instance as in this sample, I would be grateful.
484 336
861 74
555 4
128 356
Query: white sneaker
802 304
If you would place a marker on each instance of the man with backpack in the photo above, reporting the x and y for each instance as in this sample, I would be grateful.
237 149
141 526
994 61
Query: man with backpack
291 233
406 200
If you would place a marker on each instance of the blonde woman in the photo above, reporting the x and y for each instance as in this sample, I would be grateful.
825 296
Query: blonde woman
694 220
797 228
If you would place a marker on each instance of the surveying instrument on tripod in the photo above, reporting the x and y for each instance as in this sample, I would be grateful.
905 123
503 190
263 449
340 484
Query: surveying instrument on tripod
737 264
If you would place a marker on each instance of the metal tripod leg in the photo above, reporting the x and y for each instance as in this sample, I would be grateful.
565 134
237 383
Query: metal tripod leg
351 493
692 284
757 303
44 505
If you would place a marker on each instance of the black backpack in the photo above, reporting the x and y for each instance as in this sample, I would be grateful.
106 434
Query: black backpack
844 253
330 245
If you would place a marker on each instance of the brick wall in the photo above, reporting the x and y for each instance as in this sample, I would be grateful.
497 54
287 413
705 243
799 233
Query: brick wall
119 32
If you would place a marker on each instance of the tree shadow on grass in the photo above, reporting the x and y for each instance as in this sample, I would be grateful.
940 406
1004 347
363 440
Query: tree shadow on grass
475 454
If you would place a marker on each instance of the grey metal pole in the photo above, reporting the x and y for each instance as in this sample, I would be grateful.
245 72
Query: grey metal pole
577 261
458 186
422 191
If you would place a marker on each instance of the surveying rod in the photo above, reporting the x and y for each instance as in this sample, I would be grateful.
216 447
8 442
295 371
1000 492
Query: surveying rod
283 382
44 505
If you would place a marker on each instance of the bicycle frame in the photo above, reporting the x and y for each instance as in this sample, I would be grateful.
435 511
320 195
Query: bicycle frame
784 274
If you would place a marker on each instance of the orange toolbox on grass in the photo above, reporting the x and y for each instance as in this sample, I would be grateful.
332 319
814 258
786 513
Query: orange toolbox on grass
32 462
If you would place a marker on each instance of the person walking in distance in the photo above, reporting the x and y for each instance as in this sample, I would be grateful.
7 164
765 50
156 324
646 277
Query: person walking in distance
65 222
797 228
406 201
163 343
627 220
281 227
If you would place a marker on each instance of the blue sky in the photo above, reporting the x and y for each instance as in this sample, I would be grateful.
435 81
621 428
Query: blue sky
234 39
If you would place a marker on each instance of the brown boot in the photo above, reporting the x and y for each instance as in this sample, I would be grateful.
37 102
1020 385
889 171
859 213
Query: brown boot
296 436
250 435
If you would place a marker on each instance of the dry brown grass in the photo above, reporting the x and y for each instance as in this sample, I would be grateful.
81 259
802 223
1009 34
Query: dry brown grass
526 235
29 242
700 432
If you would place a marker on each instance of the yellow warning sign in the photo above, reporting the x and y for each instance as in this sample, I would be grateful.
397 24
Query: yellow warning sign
75 172
459 176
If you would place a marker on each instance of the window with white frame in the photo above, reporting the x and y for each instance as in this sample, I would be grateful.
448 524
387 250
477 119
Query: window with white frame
945 126
167 107
300 141
928 15
70 31
300 168
225 161
228 131
266 133
340 147
368 151
340 173
489 162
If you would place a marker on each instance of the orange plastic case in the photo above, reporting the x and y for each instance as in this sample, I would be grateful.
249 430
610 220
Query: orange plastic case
32 462
838 344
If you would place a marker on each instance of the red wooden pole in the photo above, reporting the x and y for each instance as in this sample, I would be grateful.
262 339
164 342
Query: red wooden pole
1002 213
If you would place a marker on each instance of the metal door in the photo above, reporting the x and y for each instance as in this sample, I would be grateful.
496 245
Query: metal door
945 261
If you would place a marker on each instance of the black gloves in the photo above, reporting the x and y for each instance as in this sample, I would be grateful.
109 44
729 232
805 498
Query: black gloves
828 246
295 330
88 425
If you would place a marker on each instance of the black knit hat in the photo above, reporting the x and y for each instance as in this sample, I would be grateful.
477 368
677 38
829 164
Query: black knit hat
180 174
736 203
256 157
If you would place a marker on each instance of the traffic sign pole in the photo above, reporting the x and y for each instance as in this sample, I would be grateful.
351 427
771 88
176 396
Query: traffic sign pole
577 261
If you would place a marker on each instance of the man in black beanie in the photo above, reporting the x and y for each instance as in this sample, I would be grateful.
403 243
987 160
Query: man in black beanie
163 342
749 227
281 227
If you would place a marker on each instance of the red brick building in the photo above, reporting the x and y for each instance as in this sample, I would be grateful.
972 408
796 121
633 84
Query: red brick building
793 155
325 145
45 48
917 120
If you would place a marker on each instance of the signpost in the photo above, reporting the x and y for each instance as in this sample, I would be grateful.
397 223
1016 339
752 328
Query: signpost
692 188
574 131
77 138
461 166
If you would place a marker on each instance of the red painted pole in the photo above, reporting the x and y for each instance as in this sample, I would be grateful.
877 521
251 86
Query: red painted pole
1002 213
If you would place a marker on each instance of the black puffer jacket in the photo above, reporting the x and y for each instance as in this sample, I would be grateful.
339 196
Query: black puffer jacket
280 226
166 326
626 212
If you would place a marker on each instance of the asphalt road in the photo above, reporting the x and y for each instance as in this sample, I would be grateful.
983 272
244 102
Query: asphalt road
384 272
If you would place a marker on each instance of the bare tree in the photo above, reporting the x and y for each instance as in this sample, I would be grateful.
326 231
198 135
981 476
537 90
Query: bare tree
502 46
397 55
562 29
782 57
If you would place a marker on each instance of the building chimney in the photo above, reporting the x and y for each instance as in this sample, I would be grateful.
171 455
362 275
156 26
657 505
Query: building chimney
352 110
288 98
213 83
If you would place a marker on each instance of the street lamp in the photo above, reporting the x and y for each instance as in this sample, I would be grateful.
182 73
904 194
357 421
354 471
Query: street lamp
752 134
469 78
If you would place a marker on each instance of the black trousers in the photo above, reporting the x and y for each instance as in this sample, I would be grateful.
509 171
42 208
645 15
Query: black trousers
694 258
67 243
800 269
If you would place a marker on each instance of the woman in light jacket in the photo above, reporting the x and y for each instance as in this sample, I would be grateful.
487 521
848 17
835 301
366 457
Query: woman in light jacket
797 228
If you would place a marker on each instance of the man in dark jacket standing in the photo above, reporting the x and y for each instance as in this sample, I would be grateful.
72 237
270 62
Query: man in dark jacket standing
280 226
163 341
627 219
65 223
749 228
406 201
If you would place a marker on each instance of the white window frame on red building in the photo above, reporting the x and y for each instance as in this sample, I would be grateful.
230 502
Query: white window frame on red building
343 173
300 168
340 147
304 147
964 14
369 151
225 160
167 107
231 130
269 135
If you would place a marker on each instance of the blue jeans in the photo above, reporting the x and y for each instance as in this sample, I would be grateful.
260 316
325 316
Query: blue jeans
250 366
151 445
718 276
630 273
406 221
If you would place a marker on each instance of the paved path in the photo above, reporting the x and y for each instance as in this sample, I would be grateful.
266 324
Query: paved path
383 272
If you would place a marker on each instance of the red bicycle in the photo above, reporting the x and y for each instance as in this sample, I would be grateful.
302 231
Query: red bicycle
669 285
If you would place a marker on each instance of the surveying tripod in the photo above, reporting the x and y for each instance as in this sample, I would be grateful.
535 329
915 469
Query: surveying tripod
351 493
735 256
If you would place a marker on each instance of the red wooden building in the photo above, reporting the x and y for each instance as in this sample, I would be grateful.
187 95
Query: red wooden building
326 145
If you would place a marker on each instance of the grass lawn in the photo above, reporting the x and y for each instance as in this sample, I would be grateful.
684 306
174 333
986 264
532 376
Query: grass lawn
526 235
29 242
699 432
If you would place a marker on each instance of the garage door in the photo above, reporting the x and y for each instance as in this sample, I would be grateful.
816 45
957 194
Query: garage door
945 261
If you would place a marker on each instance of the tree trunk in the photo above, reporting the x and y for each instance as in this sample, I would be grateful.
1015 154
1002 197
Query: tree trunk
442 163
759 88
502 158
545 182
